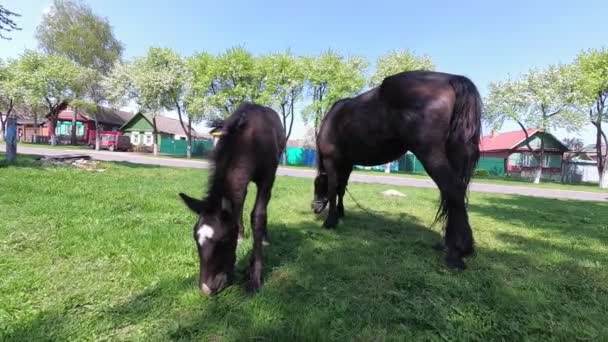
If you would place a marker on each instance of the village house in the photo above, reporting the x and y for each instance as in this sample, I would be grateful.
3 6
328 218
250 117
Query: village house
140 130
508 153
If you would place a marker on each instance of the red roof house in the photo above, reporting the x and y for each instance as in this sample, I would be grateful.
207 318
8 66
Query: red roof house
511 149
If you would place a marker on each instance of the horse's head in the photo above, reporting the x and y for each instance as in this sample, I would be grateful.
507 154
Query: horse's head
215 233
319 201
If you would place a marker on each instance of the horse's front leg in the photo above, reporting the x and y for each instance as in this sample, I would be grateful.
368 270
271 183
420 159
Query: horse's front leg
258 224
332 189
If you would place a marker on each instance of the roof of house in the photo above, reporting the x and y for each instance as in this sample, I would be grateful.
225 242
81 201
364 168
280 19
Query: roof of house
169 125
25 119
504 141
105 115
114 116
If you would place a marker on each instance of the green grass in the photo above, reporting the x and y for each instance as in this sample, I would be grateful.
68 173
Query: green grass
110 256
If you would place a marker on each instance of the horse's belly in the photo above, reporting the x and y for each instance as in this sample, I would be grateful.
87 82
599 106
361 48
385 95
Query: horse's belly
381 154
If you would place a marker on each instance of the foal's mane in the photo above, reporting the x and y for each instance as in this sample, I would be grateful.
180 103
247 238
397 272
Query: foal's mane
222 155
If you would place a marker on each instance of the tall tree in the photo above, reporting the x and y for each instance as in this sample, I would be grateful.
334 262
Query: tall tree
284 85
331 77
173 79
593 87
237 78
50 78
542 99
6 23
71 29
10 93
144 81
397 61
200 94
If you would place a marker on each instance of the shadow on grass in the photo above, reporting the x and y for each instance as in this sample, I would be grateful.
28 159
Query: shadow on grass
574 219
374 278
22 161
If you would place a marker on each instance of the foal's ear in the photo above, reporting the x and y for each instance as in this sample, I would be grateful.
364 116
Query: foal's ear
192 203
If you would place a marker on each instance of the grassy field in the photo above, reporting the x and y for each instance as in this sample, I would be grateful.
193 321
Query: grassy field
482 180
110 256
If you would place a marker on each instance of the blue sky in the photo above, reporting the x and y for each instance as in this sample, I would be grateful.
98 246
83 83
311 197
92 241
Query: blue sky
483 40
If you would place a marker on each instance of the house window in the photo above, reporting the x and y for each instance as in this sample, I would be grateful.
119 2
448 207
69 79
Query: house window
529 160
135 138
148 139
80 129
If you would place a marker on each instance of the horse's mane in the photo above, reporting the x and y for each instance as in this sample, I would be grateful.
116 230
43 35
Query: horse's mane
222 154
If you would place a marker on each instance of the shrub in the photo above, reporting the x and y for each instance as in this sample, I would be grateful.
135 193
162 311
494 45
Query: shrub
482 173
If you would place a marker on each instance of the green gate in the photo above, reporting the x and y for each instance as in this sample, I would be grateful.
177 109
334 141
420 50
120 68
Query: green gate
200 148
494 166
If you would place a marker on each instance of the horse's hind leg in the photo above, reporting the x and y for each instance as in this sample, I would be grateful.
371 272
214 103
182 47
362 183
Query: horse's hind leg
258 225
332 186
342 183
458 235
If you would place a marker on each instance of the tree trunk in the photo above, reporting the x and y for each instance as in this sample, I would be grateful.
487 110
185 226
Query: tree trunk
604 179
154 137
11 139
52 124
189 148
539 168
35 137
97 141
73 133
600 137
4 120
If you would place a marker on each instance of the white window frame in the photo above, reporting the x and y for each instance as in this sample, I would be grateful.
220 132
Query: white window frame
150 142
135 139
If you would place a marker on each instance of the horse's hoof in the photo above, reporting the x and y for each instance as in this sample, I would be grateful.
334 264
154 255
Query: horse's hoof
455 263
330 225
253 287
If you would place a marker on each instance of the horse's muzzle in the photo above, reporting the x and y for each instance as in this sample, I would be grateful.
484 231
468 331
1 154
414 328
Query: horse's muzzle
318 206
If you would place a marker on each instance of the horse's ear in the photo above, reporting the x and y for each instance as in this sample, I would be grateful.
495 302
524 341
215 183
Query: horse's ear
192 203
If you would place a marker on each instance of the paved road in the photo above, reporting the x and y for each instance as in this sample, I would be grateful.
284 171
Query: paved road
303 173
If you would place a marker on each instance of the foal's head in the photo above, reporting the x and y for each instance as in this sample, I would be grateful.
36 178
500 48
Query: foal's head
319 201
215 234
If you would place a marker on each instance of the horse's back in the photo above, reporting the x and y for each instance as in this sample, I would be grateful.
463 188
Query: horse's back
415 90
262 139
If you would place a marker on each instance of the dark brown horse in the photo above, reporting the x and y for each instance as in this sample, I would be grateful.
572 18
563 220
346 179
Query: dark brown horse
435 115
249 149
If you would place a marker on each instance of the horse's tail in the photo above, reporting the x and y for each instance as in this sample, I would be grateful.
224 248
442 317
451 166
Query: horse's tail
462 145
465 128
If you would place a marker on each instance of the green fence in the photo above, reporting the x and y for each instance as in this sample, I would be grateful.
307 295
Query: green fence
495 166
200 148
301 156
